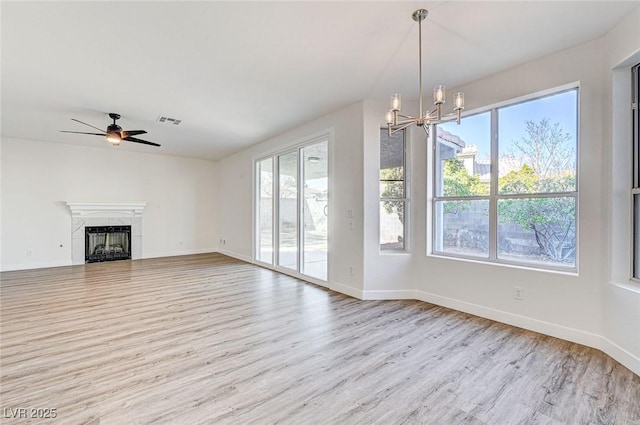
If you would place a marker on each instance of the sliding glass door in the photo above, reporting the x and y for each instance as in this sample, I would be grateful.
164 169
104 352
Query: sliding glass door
288 210
315 210
292 210
264 210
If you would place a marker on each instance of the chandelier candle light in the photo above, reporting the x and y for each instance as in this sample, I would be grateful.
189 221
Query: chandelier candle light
434 116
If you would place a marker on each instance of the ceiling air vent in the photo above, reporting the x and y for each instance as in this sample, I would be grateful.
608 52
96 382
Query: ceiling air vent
168 120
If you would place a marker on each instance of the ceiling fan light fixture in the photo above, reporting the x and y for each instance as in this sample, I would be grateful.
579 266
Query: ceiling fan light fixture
114 134
114 139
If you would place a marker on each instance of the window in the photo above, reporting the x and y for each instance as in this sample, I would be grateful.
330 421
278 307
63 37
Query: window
393 191
505 187
635 190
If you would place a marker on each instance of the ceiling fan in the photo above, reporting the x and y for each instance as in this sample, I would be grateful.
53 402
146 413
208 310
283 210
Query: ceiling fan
115 134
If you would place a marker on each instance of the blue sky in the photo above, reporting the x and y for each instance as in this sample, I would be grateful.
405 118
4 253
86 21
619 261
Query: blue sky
476 129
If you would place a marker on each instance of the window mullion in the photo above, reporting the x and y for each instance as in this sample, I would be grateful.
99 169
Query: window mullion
635 109
493 188
276 211
300 210
507 148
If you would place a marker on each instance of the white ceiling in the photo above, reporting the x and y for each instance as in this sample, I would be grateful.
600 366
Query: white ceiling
237 73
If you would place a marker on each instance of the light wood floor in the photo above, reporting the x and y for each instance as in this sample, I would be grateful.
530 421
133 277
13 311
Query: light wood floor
207 339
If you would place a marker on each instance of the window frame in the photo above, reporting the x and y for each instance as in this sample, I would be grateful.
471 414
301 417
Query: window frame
635 169
257 209
494 196
326 136
406 191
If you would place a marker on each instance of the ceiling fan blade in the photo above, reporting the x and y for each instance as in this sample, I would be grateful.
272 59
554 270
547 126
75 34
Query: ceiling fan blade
127 133
82 132
73 119
133 139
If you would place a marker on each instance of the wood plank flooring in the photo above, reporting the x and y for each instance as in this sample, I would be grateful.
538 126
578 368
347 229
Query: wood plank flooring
207 339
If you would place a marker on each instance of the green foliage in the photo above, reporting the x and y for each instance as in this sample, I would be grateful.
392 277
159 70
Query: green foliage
457 182
548 166
524 180
393 188
551 219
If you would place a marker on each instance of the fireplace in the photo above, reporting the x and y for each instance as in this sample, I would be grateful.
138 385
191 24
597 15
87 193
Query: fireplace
107 243
105 215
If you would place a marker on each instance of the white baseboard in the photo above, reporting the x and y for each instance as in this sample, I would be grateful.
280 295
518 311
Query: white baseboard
29 266
48 264
242 257
535 325
400 294
563 332
176 253
346 290
620 354
559 331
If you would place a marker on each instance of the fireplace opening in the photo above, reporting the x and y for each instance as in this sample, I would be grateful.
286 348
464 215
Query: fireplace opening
107 243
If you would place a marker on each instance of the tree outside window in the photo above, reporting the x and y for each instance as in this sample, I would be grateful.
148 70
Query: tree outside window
518 203
393 191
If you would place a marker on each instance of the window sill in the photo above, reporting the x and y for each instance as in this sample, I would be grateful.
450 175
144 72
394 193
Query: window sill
392 253
631 286
571 272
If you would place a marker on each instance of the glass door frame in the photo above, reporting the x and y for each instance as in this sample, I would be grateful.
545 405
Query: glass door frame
325 136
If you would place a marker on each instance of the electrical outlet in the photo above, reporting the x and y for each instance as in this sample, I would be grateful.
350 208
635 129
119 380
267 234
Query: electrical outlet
518 293
350 213
350 270
28 251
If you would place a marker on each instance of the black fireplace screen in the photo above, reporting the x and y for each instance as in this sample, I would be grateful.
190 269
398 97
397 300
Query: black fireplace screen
107 243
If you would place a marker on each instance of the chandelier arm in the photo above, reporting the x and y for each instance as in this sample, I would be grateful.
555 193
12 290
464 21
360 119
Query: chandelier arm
405 122
433 116
399 127
453 116
409 119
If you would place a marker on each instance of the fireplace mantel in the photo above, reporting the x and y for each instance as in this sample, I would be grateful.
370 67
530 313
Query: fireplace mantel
106 209
85 214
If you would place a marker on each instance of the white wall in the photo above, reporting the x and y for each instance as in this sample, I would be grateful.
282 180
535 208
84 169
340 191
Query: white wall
235 176
597 307
583 308
621 298
561 299
39 177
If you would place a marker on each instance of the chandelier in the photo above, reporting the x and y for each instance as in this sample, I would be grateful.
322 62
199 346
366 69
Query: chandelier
397 121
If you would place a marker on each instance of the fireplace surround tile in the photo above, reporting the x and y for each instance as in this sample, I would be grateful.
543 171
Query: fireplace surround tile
104 214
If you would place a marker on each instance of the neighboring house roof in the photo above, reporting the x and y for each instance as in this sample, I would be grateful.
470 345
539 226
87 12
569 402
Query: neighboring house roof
481 167
450 139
